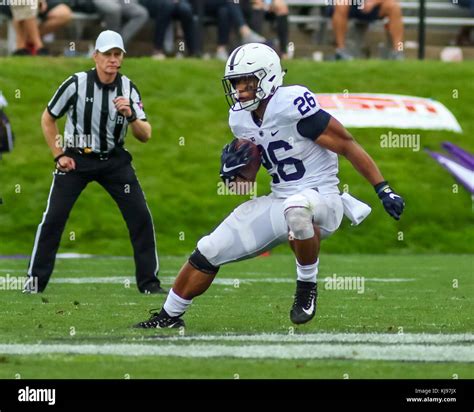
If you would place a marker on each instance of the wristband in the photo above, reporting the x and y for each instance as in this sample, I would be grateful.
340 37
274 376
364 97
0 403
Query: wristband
132 118
381 186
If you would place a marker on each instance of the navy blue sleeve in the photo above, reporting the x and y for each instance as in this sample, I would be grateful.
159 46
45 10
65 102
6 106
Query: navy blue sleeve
313 126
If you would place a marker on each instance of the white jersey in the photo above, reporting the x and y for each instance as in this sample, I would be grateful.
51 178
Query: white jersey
294 161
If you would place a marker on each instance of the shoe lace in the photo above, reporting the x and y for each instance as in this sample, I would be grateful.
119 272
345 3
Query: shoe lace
304 297
154 312
156 319
153 317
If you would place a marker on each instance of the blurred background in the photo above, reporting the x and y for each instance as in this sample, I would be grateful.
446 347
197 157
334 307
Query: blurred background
312 29
175 56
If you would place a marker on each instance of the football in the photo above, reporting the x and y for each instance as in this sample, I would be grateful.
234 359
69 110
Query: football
249 172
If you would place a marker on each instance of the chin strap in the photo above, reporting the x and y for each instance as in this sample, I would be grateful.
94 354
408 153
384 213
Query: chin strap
253 106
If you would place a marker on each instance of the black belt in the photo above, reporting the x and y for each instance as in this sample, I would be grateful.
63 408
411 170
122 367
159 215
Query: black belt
87 152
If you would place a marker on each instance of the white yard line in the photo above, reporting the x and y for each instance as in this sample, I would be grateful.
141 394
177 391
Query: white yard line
416 353
379 338
217 281
117 278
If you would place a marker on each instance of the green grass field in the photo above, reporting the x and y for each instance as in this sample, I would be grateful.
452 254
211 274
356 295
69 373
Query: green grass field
184 99
413 318
402 297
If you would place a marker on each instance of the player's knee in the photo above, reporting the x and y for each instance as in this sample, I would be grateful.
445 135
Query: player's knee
200 262
300 222
389 7
341 10
112 8
393 4
62 13
142 13
280 8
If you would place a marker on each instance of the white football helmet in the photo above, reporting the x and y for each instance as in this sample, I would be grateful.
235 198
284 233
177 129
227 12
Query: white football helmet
252 59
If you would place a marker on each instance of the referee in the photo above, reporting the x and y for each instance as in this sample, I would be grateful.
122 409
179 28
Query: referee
100 105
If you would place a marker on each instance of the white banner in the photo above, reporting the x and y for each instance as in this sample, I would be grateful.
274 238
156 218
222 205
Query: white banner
388 110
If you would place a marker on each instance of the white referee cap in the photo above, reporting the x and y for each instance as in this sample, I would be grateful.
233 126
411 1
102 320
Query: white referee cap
109 39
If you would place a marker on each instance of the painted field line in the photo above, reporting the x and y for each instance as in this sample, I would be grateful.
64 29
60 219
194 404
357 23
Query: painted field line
116 278
379 338
217 281
414 353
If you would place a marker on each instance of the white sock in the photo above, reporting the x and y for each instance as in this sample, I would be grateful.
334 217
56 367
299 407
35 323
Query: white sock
175 305
307 273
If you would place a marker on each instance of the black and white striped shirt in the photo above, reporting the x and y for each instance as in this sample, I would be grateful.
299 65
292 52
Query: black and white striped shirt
92 120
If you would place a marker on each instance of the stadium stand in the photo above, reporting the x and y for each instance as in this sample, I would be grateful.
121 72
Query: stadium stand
454 15
310 17
314 16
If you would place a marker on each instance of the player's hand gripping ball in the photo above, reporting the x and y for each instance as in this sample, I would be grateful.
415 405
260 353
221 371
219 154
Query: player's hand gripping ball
240 160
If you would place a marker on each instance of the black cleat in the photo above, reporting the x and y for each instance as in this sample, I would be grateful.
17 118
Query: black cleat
154 288
161 321
304 305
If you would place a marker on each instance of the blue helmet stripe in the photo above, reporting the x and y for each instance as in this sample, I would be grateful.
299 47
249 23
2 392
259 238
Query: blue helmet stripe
232 58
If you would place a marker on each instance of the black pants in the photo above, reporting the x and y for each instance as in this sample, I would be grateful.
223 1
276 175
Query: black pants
228 14
219 10
117 176
163 11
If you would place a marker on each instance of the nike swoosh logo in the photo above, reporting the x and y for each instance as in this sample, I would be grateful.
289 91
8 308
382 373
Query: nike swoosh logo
393 196
311 308
228 169
274 133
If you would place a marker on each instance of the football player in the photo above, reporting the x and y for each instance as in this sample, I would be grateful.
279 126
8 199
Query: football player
299 143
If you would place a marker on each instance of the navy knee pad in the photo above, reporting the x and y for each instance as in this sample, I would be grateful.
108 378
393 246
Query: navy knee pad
199 262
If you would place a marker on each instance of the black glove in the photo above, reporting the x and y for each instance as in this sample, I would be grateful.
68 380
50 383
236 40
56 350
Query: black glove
233 159
392 202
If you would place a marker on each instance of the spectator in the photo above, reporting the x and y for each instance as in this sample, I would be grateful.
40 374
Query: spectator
54 15
5 10
112 12
371 10
220 12
274 10
163 11
228 13
247 35
464 35
82 6
28 39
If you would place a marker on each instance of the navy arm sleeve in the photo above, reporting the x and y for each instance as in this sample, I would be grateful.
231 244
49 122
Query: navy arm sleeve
313 126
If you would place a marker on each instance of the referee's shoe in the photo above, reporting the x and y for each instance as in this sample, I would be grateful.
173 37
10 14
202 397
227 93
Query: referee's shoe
154 288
